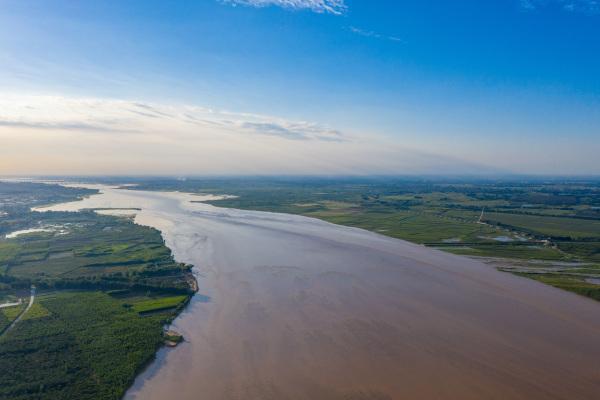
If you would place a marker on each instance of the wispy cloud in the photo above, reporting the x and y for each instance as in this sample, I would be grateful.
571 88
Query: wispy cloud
152 110
294 131
583 6
60 135
373 34
336 7
77 126
108 116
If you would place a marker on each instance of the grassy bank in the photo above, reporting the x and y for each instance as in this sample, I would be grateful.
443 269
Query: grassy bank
77 345
106 288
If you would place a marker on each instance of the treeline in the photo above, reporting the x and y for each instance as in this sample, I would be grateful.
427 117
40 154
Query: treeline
87 347
98 283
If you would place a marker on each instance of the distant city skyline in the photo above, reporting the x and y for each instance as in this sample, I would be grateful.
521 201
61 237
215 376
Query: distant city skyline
300 87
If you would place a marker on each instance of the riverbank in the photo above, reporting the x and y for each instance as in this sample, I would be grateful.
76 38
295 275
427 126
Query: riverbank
107 288
358 313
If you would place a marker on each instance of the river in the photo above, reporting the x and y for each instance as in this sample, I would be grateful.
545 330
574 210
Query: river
295 308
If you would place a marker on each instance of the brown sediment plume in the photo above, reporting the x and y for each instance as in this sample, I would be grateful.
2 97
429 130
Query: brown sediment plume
304 310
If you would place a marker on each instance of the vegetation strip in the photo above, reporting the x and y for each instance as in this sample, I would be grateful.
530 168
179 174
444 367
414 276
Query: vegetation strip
107 287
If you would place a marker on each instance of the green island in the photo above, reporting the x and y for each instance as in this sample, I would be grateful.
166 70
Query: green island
104 290
540 228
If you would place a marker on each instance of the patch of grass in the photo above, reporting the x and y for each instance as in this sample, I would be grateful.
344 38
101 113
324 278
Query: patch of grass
508 251
567 282
158 304
86 346
37 310
4 323
8 315
584 250
11 313
8 251
547 225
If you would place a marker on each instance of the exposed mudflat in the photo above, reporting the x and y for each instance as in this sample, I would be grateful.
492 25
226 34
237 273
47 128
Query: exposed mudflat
303 309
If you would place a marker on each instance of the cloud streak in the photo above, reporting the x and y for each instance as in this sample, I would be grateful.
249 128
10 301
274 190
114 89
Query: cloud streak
60 135
294 131
77 126
336 7
373 34
112 116
582 6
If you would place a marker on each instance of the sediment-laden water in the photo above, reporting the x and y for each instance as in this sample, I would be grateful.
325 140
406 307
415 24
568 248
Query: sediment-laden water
303 309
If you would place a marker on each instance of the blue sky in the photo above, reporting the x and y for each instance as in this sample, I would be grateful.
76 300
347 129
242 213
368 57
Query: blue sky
497 86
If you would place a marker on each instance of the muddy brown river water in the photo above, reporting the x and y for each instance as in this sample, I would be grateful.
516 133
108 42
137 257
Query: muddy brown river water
300 309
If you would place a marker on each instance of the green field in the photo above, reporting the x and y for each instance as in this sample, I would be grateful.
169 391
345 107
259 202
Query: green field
517 252
8 315
106 288
159 304
543 225
76 345
91 250
568 282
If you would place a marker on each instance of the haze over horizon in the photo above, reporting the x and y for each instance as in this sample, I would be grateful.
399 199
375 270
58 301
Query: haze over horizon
300 87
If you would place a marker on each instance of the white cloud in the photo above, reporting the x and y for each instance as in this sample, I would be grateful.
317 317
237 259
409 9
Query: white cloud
60 135
320 6
117 116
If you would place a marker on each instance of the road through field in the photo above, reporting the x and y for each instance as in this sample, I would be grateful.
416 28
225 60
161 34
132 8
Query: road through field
303 309
31 300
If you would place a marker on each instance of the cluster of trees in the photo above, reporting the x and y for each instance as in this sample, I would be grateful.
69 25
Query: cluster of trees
87 347
85 344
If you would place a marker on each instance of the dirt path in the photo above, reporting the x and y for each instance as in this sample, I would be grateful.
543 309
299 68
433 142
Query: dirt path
31 300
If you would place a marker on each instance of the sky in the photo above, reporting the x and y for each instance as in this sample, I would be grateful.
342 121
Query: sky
332 87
